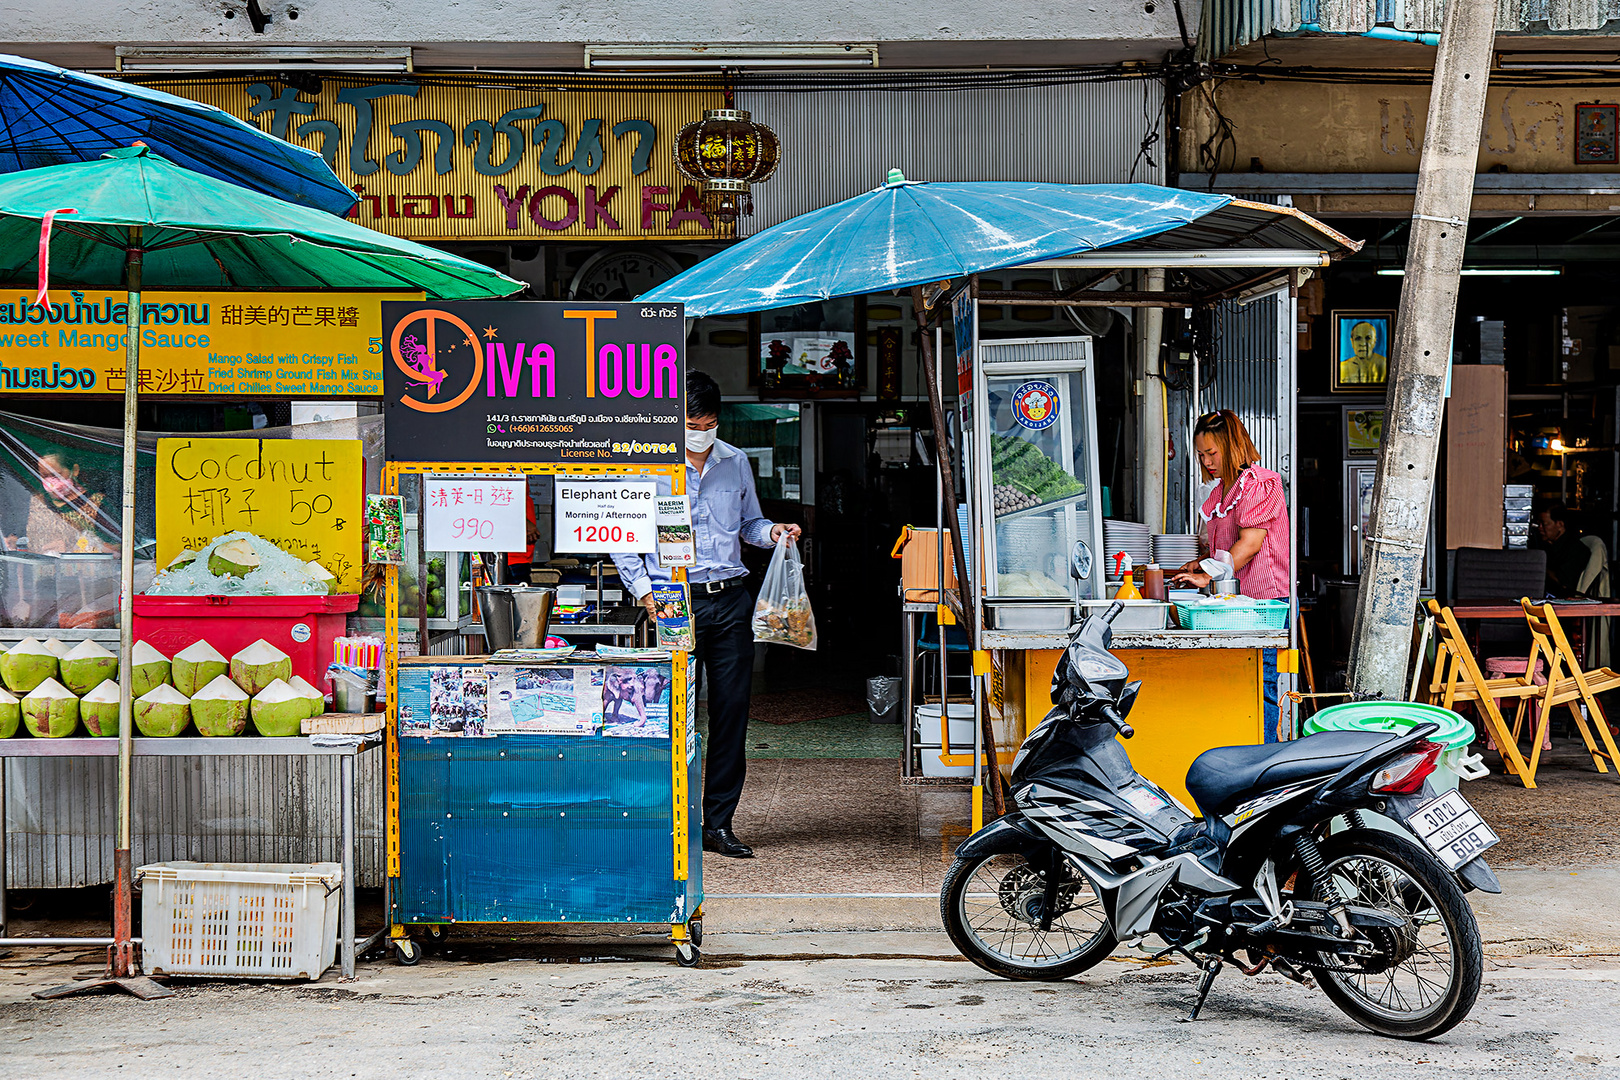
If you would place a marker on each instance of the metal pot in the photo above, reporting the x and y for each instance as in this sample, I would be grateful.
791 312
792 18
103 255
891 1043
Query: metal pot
515 616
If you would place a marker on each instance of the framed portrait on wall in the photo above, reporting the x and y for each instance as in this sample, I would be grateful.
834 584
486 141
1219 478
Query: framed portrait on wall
1361 351
1363 429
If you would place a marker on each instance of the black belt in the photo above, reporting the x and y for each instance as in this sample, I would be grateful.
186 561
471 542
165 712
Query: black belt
709 588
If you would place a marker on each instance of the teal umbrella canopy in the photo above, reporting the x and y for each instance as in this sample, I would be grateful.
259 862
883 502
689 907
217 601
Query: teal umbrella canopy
912 233
198 232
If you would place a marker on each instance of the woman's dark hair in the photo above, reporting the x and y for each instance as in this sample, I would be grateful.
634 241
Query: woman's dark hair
702 395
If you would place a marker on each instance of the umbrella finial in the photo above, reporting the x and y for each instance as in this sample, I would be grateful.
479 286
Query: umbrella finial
896 177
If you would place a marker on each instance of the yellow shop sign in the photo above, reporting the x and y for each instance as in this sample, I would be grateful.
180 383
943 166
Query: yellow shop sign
292 344
467 160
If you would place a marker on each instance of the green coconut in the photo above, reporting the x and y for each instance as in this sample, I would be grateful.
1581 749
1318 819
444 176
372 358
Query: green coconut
51 710
162 712
195 666
10 716
27 664
279 710
316 699
220 708
86 666
182 560
150 669
322 575
259 665
233 558
99 709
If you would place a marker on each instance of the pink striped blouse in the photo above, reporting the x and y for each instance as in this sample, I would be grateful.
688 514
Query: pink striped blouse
1256 503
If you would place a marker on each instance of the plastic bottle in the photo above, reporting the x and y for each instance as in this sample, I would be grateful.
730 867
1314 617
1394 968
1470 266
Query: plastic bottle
1127 588
1153 582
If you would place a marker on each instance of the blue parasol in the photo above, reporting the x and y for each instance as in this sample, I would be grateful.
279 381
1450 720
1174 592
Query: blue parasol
911 232
52 116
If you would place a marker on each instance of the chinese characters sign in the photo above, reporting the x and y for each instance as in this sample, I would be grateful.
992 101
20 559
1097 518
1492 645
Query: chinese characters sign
303 495
443 158
263 344
468 513
534 381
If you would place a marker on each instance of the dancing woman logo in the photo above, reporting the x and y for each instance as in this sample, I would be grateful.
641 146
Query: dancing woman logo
426 370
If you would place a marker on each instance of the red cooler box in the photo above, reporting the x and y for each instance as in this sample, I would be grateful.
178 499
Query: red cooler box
303 627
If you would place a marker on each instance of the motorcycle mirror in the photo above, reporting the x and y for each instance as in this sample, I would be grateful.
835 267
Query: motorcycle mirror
1080 561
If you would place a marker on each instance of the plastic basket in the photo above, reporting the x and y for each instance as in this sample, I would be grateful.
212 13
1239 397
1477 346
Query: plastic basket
1233 615
263 920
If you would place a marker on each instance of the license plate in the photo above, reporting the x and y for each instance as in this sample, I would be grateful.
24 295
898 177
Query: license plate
1453 830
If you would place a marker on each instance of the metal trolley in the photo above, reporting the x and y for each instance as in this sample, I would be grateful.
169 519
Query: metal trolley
540 829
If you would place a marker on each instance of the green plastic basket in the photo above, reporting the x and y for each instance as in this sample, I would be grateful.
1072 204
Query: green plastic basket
1233 615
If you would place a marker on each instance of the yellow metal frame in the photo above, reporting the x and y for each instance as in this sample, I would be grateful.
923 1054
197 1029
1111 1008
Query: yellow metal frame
678 712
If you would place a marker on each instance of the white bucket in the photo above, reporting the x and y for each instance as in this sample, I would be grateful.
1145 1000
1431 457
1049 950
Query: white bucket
961 723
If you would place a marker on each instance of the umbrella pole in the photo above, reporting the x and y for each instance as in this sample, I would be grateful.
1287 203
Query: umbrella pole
121 956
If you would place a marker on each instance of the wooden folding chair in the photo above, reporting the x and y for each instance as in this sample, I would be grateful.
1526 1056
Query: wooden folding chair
1578 687
1457 677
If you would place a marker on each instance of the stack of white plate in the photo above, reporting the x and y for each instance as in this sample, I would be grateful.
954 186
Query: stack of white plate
1130 537
1174 549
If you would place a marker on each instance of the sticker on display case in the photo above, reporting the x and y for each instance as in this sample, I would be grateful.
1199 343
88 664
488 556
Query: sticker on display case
564 700
636 702
1035 405
385 530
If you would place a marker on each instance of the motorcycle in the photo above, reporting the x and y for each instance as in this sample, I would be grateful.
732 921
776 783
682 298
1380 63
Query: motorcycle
1284 871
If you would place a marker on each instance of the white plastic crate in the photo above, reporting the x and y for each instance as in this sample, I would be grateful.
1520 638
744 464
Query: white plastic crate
264 920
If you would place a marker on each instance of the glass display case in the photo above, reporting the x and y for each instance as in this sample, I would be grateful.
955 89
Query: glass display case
1033 468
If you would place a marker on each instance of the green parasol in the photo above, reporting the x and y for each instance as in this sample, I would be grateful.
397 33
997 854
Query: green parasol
132 218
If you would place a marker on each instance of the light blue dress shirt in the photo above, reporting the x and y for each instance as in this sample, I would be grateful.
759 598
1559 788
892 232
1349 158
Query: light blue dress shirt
725 513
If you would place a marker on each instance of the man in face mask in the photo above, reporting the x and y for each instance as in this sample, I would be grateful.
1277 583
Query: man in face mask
725 514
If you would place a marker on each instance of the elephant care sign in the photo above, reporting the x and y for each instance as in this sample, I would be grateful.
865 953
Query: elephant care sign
541 381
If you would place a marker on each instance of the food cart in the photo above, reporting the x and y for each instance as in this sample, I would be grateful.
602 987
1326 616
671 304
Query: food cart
521 788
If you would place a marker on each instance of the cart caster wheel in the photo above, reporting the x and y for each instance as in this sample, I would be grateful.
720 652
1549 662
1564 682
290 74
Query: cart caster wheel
694 930
407 952
687 954
439 931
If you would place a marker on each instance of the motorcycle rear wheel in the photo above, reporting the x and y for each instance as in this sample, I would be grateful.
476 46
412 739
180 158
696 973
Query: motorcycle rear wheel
990 907
1440 960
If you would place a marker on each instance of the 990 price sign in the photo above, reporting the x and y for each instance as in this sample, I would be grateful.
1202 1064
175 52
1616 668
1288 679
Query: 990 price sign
606 518
477 513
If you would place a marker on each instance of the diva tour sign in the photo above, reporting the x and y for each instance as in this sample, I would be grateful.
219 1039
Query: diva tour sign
534 381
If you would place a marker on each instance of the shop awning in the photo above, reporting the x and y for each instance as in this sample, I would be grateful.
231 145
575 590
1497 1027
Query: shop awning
908 233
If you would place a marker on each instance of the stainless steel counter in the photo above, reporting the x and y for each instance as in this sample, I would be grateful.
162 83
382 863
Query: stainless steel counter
1143 639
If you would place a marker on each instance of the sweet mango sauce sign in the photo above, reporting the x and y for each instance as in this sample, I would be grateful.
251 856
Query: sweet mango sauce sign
303 495
534 381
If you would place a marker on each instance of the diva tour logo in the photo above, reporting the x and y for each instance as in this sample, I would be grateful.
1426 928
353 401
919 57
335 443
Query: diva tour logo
1035 405
445 361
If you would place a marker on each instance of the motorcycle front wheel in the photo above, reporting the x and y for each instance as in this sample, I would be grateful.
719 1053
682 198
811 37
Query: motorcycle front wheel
1429 977
992 908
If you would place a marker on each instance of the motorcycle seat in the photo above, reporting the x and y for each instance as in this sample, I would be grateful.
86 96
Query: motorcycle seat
1227 775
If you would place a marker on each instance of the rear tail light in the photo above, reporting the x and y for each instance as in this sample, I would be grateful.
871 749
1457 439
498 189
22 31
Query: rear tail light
1405 775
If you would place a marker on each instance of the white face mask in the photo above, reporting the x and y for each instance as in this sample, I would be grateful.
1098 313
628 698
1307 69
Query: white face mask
699 441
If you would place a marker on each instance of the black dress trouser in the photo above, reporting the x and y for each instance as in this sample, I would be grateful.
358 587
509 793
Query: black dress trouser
723 623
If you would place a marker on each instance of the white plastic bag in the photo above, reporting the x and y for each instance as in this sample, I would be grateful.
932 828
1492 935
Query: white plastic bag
782 614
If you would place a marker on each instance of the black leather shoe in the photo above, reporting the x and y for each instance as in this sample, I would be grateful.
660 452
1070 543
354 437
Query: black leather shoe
723 842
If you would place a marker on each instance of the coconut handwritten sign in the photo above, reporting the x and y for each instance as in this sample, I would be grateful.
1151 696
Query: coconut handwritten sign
303 495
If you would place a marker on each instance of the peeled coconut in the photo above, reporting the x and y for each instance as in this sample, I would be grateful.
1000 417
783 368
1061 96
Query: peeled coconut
259 665
220 708
233 558
151 669
195 666
278 709
162 712
86 666
56 647
182 560
10 717
99 709
316 699
322 575
27 664
51 711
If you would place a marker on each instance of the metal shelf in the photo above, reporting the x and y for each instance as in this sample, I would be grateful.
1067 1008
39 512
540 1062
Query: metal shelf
180 746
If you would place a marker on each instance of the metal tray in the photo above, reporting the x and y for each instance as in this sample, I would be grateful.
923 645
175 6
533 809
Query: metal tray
1030 614
1138 614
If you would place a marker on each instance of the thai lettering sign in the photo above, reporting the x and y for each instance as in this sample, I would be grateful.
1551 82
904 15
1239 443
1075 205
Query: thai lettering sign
457 159
534 381
325 344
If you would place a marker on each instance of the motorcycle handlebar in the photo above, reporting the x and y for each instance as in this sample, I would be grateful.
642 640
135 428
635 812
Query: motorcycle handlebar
1114 609
1111 714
